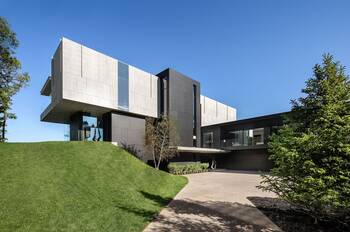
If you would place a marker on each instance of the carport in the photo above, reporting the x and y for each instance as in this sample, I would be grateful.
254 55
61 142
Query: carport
207 155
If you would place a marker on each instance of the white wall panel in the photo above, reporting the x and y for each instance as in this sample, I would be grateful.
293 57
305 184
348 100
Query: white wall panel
214 112
92 77
143 92
88 76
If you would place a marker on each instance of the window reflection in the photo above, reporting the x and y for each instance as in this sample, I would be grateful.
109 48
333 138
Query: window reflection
123 86
248 137
208 140
91 130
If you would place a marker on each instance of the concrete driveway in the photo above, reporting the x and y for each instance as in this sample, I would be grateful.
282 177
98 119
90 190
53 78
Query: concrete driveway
216 201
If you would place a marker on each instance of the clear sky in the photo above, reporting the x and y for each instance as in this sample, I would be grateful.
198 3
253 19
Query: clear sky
252 55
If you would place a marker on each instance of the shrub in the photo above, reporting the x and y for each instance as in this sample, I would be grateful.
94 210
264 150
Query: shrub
132 149
180 168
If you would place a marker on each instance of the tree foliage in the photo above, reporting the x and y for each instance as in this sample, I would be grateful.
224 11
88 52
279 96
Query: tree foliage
11 79
161 139
311 152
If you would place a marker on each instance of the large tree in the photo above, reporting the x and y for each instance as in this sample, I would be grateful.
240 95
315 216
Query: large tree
311 152
11 79
161 139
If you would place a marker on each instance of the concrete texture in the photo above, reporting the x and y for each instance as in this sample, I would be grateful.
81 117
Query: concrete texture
214 112
216 201
88 77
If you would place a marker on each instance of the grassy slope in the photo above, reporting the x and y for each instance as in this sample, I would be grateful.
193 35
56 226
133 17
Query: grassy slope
77 186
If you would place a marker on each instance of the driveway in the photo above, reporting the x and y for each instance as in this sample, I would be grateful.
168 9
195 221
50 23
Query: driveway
216 201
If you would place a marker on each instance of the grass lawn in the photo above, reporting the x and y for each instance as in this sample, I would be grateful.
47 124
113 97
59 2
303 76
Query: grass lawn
79 186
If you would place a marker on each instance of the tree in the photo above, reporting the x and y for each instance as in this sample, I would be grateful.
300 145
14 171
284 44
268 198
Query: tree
311 152
11 79
161 139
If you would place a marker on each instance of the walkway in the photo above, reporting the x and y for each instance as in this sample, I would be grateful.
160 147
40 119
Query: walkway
216 201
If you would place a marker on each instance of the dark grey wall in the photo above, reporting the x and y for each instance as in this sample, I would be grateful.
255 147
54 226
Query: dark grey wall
180 105
267 122
75 126
251 159
128 130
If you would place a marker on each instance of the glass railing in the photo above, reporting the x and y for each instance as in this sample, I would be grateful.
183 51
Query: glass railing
232 143
243 138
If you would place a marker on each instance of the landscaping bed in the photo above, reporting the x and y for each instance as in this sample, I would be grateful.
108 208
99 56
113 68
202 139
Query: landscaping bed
182 168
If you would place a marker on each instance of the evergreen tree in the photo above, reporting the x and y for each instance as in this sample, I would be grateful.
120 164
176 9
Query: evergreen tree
311 152
11 80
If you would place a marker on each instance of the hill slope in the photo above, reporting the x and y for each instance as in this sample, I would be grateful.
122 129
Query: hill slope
79 186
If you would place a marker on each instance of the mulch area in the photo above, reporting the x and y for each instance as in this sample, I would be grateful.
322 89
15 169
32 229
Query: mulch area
290 219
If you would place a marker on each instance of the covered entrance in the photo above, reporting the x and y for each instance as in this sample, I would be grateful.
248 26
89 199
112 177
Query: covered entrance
196 154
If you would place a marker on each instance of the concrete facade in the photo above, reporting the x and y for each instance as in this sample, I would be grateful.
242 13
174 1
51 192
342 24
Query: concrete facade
83 77
214 112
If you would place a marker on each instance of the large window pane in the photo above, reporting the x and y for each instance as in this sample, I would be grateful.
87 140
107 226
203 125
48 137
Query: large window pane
123 86
247 137
91 130
208 140
258 136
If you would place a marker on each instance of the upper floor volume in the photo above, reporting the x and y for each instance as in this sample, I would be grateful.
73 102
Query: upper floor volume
91 84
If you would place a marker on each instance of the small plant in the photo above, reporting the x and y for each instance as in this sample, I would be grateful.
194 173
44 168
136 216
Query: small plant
132 149
181 168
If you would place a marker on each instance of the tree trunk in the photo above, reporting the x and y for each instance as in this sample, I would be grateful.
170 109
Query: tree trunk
154 159
3 129
160 154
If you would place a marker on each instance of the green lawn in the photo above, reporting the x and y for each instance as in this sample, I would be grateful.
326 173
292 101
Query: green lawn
79 186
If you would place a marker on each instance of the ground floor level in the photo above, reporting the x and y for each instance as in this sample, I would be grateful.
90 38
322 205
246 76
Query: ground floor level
239 145
248 159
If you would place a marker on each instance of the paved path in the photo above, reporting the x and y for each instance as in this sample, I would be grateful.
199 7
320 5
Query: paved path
216 201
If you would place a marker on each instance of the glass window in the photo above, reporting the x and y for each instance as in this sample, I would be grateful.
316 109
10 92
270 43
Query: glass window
258 136
123 86
208 140
248 137
236 138
91 130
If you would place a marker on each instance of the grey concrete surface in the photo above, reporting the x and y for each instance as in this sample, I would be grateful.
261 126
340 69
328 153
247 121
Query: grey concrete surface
216 201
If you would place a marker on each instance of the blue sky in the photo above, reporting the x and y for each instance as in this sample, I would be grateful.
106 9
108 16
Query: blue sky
252 55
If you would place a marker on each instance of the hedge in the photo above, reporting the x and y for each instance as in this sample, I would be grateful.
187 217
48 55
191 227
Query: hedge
181 168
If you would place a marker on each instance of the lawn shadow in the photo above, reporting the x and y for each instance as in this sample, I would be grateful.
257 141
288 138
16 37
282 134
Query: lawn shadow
159 200
146 213
289 218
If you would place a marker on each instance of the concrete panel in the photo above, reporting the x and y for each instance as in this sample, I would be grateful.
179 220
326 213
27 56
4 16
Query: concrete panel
214 112
83 75
143 92
88 76
56 74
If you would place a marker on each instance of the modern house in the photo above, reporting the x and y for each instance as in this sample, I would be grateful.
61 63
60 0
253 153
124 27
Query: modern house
104 99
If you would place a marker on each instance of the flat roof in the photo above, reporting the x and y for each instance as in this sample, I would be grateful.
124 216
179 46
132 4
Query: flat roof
200 150
248 120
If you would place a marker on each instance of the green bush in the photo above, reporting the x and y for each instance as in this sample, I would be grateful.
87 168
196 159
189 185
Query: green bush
180 168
